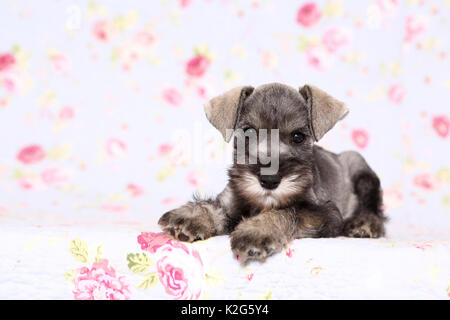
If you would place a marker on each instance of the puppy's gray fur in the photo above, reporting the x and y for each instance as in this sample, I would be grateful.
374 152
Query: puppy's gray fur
317 193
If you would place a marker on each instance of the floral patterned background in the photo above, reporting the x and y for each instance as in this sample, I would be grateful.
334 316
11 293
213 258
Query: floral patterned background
93 92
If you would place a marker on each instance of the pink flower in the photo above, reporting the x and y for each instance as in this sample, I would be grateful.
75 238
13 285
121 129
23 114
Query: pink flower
144 38
10 83
172 96
66 113
31 154
415 25
54 176
164 149
180 271
7 60
102 30
423 245
61 63
197 66
289 252
100 283
441 125
308 14
318 57
115 147
194 178
201 91
112 207
25 183
396 93
135 190
360 137
168 201
185 3
426 181
151 241
335 38
388 7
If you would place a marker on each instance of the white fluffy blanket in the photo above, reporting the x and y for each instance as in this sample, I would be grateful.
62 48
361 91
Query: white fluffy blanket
123 263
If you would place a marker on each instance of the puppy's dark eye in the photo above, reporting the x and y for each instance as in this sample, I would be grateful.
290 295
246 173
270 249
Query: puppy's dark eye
298 137
250 131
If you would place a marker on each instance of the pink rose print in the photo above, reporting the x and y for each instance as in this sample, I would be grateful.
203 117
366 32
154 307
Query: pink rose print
102 30
31 154
195 178
396 93
360 137
441 124
308 14
66 113
185 3
201 92
168 201
25 184
290 252
144 38
60 63
172 96
54 176
388 7
100 283
318 57
335 38
165 149
197 66
135 190
415 25
7 60
151 241
9 84
426 181
180 271
423 245
115 147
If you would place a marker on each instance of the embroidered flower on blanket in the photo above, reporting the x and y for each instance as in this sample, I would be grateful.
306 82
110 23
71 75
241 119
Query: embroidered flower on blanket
100 282
179 266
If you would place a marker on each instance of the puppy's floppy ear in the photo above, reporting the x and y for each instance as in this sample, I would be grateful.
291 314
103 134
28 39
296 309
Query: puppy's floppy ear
223 111
324 110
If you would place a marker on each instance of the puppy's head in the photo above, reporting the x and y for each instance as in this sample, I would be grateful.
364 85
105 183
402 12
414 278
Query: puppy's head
275 127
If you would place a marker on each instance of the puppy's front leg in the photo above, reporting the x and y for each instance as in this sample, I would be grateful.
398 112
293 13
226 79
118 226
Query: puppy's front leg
198 220
263 235
318 220
267 233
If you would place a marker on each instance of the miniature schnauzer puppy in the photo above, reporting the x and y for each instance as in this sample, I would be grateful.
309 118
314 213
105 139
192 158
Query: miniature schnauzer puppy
313 193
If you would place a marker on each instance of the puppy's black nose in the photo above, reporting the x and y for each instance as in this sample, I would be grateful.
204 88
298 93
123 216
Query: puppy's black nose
269 181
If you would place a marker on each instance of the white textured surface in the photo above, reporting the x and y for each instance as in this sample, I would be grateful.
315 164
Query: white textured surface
35 259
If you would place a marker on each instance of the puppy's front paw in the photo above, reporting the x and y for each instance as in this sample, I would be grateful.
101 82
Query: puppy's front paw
189 223
364 225
250 243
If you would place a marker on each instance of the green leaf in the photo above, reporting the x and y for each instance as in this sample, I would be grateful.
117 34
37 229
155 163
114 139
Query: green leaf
214 278
149 281
99 255
70 275
79 249
138 262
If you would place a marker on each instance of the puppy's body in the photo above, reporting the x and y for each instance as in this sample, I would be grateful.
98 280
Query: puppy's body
314 193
